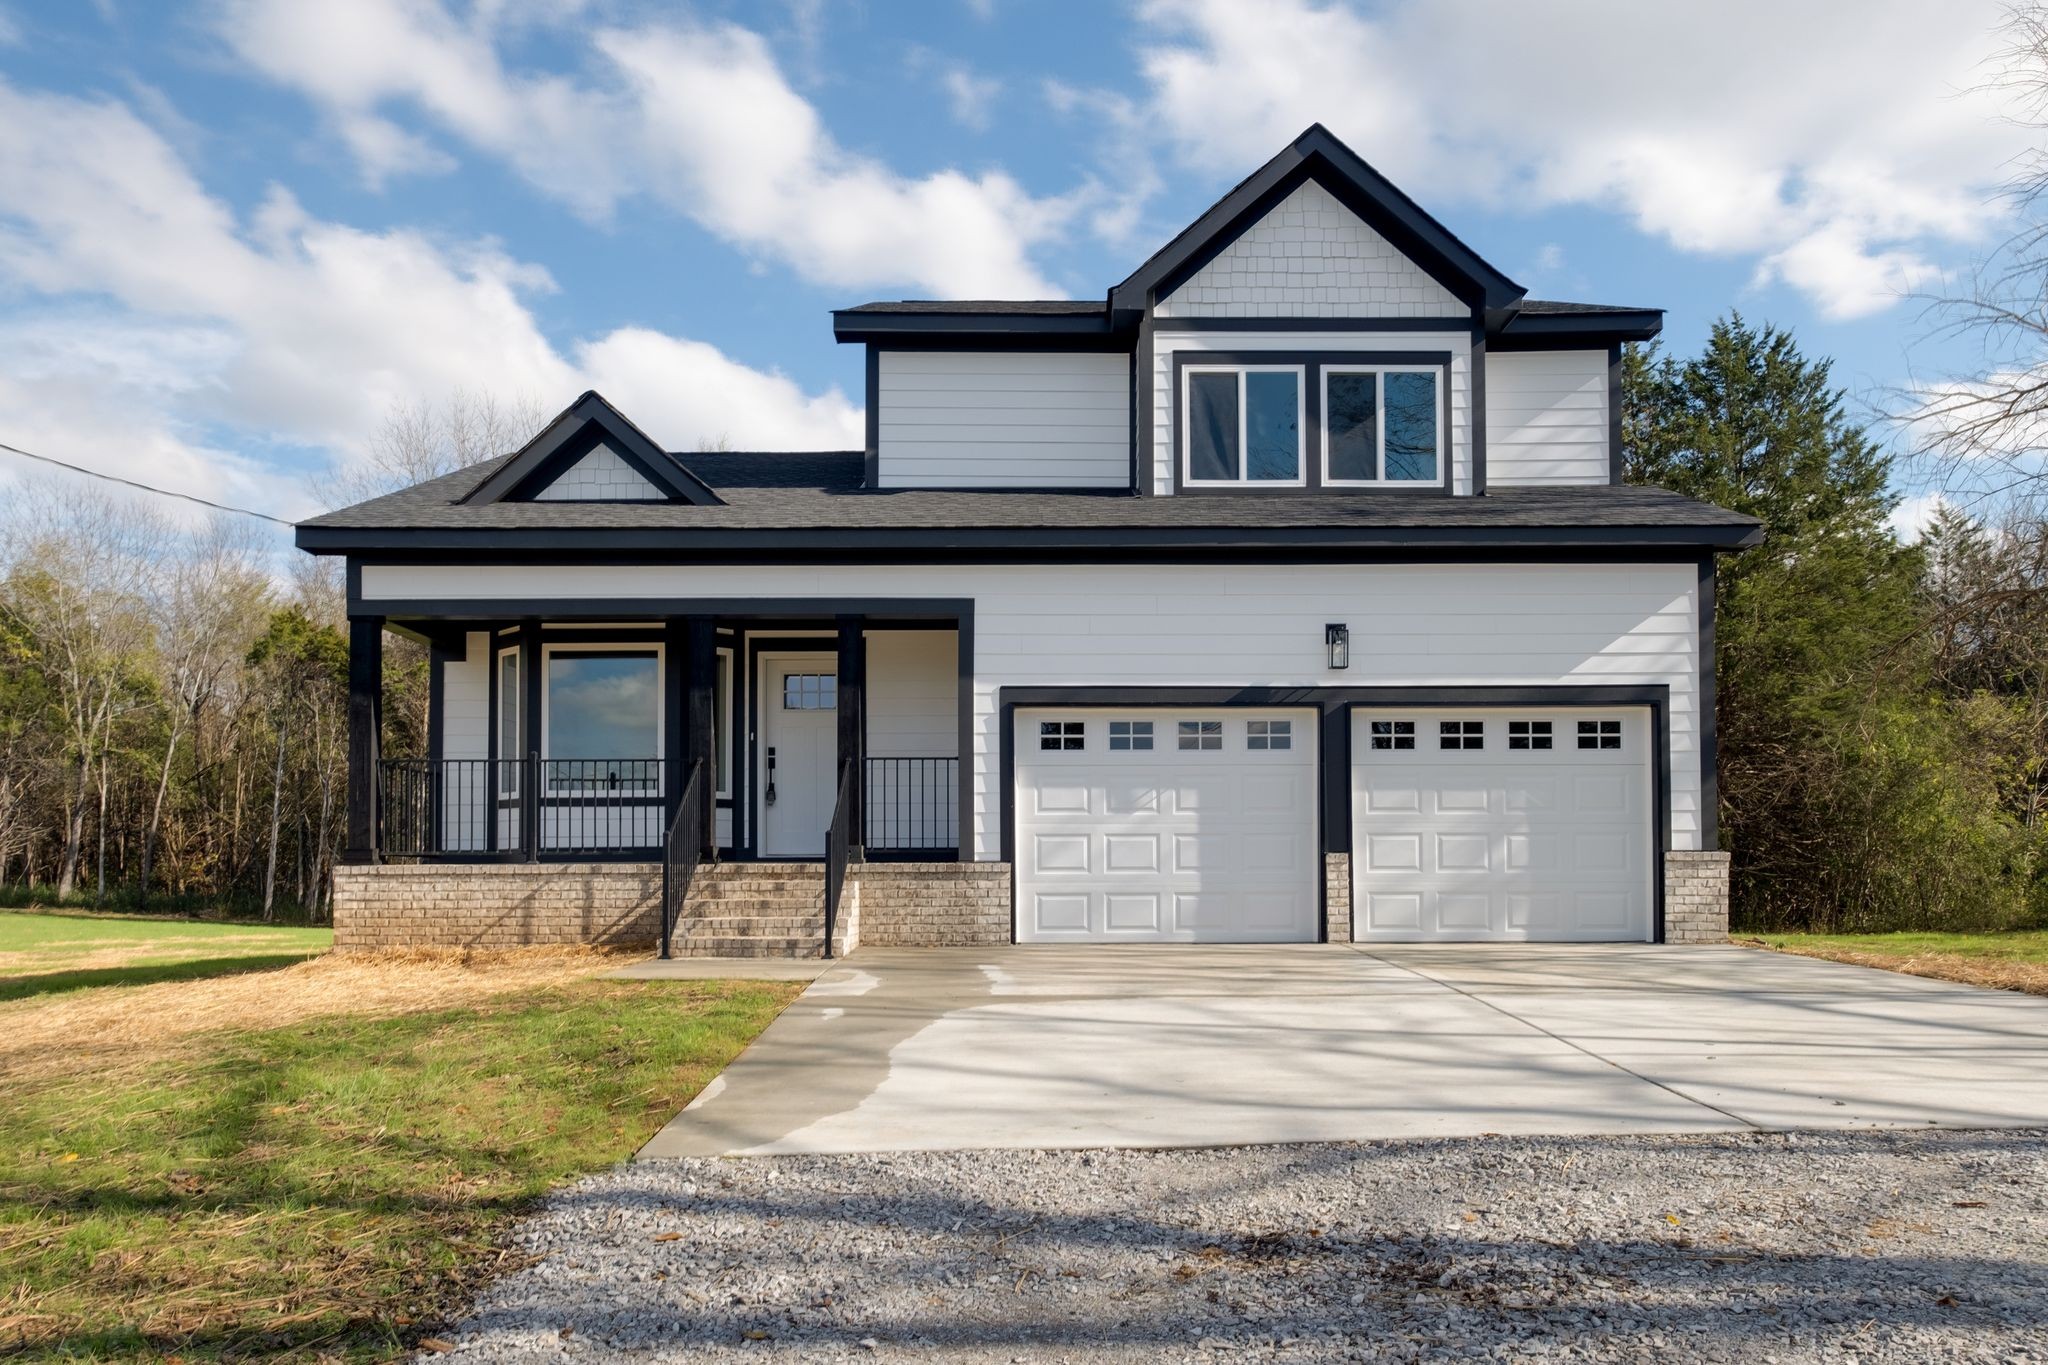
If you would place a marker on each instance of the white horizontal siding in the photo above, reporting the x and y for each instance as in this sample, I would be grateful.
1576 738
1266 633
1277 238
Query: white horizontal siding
1546 417
1003 419
913 694
1215 624
466 733
1349 344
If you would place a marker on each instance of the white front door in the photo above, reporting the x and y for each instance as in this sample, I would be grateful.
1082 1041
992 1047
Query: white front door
1522 824
1166 825
799 741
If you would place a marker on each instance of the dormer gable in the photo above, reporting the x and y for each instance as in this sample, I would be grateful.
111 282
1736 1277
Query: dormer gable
590 452
1310 256
1383 225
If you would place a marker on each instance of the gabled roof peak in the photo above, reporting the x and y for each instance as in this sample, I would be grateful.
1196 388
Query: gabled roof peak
1319 155
572 433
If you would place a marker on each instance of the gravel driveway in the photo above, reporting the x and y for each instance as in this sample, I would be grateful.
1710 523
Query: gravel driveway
1893 1246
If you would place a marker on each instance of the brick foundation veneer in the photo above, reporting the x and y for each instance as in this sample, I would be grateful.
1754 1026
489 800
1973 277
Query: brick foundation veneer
495 905
1337 897
933 905
1696 897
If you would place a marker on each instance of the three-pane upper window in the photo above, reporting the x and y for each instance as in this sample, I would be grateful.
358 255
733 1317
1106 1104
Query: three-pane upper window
1243 425
1381 426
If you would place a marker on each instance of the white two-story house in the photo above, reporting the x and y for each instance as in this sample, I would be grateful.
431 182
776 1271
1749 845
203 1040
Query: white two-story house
1288 592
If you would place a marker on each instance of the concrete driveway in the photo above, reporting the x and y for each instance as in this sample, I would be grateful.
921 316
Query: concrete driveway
926 1049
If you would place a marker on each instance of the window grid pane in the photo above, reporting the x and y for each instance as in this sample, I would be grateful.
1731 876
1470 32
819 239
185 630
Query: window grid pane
1352 424
1272 426
1393 734
1201 734
1130 734
1269 734
1461 734
1212 426
1411 420
1599 734
1528 734
810 692
1062 735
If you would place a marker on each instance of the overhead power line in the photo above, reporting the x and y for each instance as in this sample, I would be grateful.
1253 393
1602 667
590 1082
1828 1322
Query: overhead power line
142 487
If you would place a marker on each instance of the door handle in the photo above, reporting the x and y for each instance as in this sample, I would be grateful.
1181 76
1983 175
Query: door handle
769 795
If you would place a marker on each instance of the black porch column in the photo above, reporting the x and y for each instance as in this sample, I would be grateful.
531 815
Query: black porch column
853 723
365 735
534 785
698 728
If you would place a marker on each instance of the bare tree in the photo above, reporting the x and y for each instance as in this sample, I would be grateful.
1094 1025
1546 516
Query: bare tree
78 568
423 440
212 599
1984 434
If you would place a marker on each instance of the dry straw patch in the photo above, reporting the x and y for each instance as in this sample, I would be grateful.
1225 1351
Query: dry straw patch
65 954
88 1031
1996 973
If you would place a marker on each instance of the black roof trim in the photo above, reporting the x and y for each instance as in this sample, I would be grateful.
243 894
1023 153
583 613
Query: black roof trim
1320 155
1540 322
884 322
954 542
575 425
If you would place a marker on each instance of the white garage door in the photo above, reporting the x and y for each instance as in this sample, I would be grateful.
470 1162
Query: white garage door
1501 824
1152 826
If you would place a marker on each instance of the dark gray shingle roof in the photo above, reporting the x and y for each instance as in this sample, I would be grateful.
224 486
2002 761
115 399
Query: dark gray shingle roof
821 491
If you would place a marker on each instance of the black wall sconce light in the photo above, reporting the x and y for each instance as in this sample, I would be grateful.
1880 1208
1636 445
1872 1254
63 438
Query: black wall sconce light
1338 637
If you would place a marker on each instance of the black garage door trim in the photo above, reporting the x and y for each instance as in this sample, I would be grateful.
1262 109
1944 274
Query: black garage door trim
1333 761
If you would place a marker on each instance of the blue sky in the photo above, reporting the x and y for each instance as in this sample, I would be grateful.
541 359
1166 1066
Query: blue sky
234 234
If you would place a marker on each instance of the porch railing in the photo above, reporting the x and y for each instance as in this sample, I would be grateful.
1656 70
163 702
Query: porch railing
913 806
838 849
682 849
519 807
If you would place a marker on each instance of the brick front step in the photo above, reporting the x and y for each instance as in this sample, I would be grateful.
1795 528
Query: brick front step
753 926
727 946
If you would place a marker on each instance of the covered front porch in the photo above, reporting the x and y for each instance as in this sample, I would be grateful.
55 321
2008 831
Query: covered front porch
784 737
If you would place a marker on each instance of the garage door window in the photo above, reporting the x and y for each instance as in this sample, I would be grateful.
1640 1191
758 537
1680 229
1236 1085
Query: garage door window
1528 734
1062 734
1393 734
1130 734
1599 734
1461 734
1269 734
1201 734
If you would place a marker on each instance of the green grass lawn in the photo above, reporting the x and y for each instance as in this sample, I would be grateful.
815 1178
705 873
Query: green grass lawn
46 951
2010 945
333 1187
2010 959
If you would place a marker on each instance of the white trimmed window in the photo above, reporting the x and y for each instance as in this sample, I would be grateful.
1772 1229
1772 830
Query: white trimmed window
1062 734
1201 734
1382 426
1269 734
1241 425
1130 734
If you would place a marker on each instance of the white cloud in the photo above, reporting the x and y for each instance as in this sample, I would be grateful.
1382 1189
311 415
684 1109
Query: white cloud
383 150
1838 146
971 96
697 116
160 322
